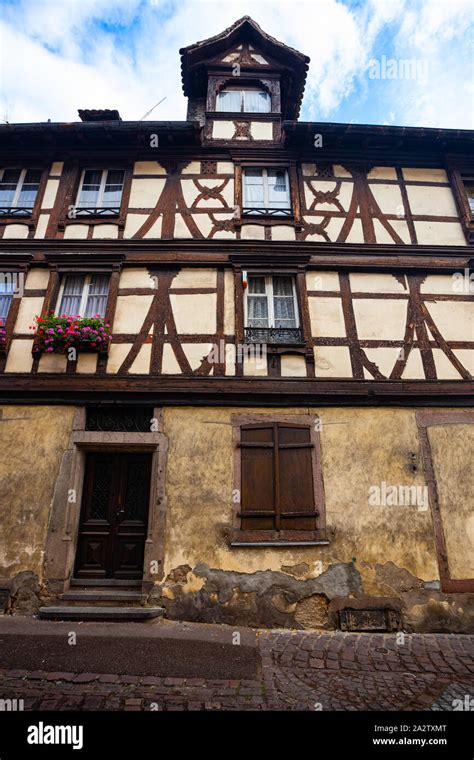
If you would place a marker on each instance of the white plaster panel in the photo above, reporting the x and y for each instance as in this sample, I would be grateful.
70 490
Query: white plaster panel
196 353
86 363
425 175
322 281
283 232
223 130
20 358
42 225
229 321
382 172
50 193
261 130
439 233
388 197
130 313
293 365
52 363
380 320
133 223
414 366
30 307
189 277
135 278
252 232
56 168
117 354
76 232
225 167
432 201
367 282
194 314
105 231
169 365
194 167
15 231
445 284
255 366
148 167
384 358
454 319
145 192
141 363
327 318
37 279
181 229
155 229
332 361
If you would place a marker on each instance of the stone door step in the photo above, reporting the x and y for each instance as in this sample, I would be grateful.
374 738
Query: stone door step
110 582
100 613
102 595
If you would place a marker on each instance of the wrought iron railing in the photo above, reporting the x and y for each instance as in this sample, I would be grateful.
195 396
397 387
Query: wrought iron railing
272 335
95 211
260 211
15 210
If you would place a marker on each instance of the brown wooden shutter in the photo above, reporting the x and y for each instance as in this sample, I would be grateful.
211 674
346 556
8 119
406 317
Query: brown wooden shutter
295 479
277 492
258 477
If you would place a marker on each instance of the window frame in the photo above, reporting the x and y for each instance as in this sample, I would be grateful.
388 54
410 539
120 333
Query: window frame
100 197
242 92
277 212
27 214
458 175
84 294
270 296
256 538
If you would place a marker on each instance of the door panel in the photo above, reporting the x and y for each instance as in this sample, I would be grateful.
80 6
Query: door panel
114 516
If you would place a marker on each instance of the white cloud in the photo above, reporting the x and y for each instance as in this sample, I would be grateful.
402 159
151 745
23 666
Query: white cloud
61 55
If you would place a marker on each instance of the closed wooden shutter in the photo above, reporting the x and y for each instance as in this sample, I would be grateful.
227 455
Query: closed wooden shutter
277 491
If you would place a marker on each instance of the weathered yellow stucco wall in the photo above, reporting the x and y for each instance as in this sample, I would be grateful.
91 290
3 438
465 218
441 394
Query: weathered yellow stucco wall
361 448
32 440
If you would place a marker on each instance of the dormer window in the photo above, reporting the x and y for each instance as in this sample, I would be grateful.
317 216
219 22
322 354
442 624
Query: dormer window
243 101
18 191
100 192
266 192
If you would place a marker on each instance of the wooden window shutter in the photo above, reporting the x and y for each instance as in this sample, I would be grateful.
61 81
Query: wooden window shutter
277 491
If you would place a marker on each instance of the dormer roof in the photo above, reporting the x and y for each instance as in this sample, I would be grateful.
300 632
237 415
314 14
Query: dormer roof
265 54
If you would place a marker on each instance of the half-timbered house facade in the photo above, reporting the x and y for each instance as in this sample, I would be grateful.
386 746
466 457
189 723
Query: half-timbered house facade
280 430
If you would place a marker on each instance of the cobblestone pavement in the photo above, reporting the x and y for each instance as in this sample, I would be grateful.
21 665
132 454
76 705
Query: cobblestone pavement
300 671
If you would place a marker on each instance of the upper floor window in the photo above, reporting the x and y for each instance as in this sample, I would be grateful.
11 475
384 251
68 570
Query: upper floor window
272 310
18 190
100 192
468 182
7 289
83 295
247 101
266 192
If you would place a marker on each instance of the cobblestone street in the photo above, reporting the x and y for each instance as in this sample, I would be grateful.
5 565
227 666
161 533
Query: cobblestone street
299 671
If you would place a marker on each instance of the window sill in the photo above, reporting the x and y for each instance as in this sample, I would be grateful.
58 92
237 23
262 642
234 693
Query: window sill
256 544
267 215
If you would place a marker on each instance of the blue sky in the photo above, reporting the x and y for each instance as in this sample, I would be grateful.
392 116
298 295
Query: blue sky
406 62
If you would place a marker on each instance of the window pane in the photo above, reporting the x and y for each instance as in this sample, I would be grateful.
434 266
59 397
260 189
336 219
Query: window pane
278 195
257 308
256 102
113 189
283 302
29 188
90 188
8 186
97 299
257 285
229 100
470 197
5 301
72 294
253 188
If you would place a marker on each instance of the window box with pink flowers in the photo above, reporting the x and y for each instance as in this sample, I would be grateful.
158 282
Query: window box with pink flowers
58 334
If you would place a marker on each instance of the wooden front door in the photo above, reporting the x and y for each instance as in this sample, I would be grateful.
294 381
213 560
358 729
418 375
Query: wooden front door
114 516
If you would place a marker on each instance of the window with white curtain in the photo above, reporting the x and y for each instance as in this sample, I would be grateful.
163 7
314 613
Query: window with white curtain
246 101
266 190
7 288
271 302
83 295
100 189
18 189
